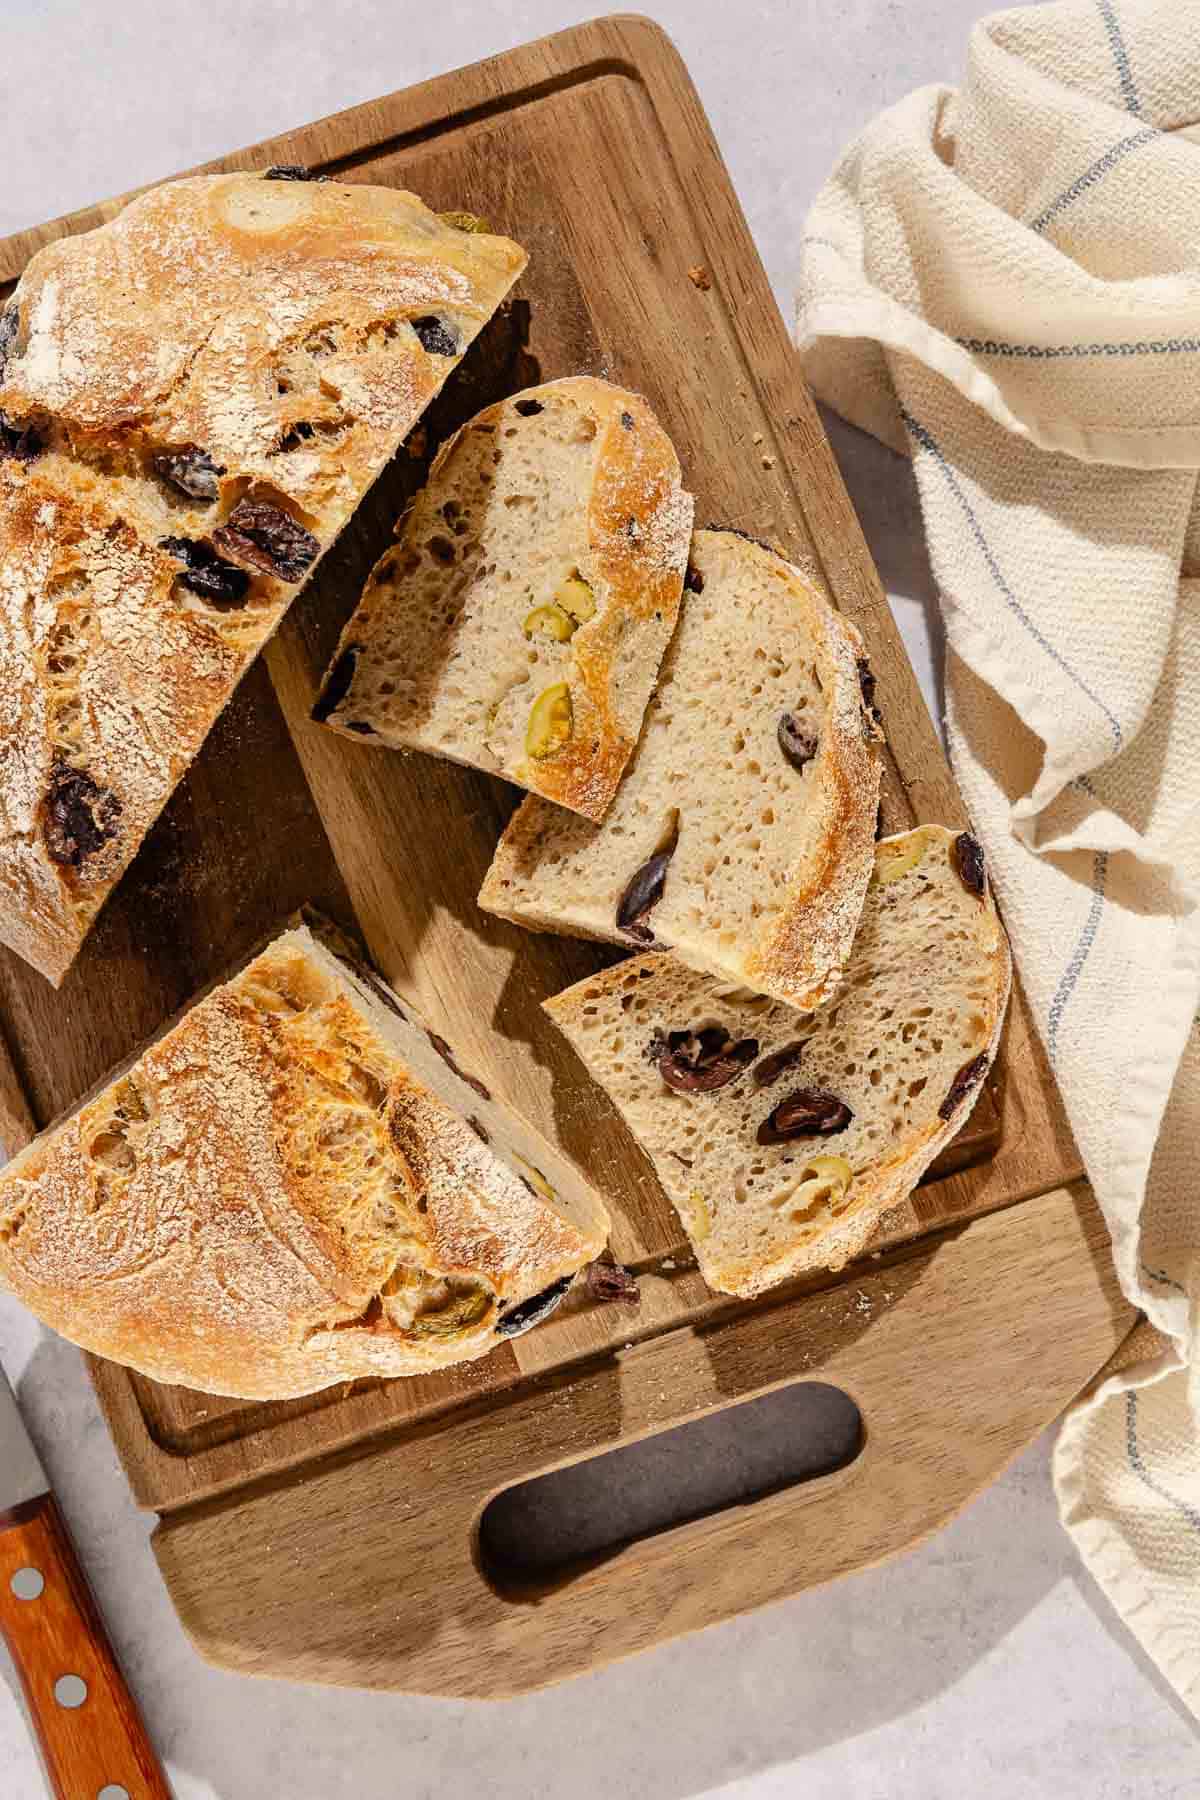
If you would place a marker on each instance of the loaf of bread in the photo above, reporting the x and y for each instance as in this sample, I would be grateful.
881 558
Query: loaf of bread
193 400
296 1184
742 834
519 623
782 1137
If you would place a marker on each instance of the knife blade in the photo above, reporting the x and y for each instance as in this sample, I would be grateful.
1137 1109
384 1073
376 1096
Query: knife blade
90 1732
22 1477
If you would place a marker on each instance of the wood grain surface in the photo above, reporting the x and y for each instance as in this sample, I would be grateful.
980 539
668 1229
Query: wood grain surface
924 1346
101 1743
591 149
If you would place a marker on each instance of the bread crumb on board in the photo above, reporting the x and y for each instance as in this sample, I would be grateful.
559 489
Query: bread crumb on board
699 277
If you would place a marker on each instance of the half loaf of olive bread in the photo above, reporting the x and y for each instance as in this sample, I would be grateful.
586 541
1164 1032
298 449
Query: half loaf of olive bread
519 623
295 1184
781 1137
742 834
193 400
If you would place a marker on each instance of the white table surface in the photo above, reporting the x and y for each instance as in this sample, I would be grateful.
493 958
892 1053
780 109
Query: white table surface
983 1663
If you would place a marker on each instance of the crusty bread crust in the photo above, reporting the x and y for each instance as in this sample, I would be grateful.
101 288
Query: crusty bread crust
891 1025
268 1200
255 341
637 529
550 873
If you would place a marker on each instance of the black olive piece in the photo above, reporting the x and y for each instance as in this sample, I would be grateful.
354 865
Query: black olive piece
436 336
517 1319
607 1280
798 745
268 539
337 684
627 420
289 172
768 1071
701 1062
969 1076
80 816
866 682
360 726
22 443
381 990
529 408
970 865
448 1057
644 892
693 580
809 1112
218 582
190 470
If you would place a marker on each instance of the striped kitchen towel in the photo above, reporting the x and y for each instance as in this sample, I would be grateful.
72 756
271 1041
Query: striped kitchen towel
1003 282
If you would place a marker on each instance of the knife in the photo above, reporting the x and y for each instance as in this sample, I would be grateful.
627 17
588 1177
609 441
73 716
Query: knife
92 1736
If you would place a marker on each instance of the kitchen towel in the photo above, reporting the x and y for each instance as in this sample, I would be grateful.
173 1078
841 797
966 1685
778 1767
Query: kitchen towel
1003 282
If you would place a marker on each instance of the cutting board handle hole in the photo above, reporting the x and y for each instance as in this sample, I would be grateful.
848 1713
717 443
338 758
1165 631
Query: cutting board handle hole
542 1533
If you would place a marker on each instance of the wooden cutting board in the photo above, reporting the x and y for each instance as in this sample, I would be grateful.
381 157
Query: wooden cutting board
335 1538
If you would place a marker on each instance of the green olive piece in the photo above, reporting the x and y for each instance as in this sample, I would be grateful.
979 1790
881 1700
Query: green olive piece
894 860
537 1180
464 221
466 1307
550 621
576 597
551 720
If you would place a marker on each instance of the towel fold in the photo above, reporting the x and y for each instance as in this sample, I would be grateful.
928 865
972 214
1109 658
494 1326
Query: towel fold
1003 283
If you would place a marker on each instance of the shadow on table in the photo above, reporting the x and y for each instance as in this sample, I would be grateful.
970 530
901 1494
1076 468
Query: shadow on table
884 491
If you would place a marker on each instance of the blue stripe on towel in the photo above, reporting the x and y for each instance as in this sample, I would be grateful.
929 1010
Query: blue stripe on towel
1187 346
1129 93
1079 955
1186 1511
1091 177
928 442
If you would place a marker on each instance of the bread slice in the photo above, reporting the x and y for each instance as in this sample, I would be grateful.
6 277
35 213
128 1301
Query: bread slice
193 400
742 834
295 1185
782 1137
519 623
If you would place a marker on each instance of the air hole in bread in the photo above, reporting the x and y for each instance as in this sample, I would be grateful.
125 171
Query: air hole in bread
111 1149
12 1223
369 1319
369 1089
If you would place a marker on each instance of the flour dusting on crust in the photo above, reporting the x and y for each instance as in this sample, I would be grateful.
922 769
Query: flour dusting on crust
225 340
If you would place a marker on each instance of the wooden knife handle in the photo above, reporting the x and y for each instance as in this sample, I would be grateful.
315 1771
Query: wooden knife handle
92 1747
